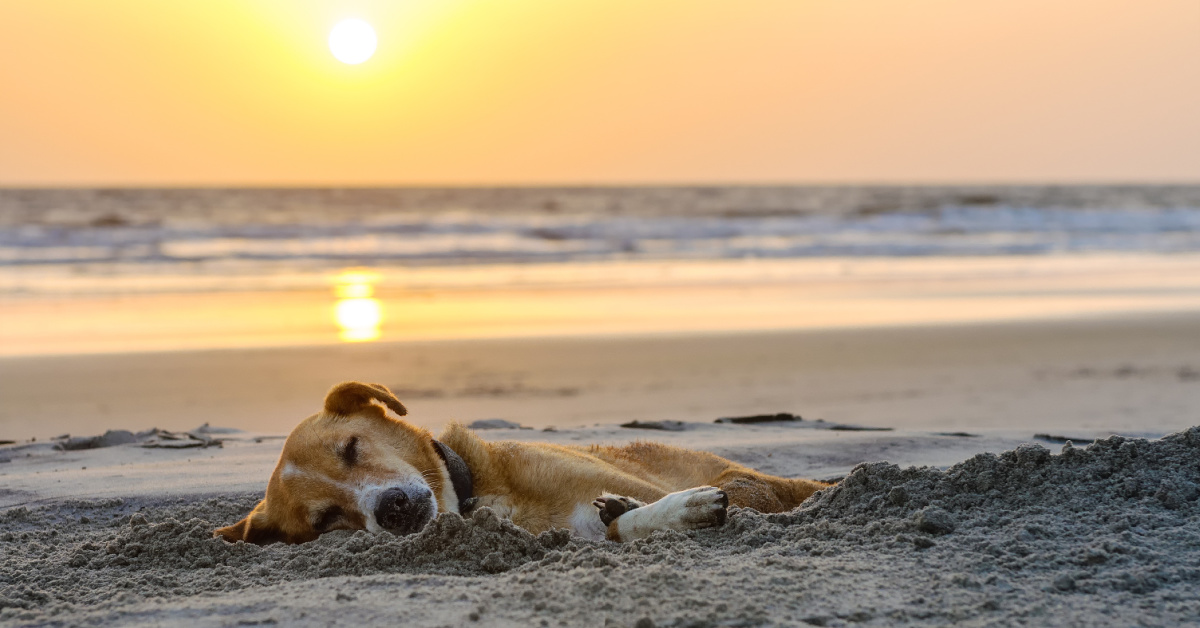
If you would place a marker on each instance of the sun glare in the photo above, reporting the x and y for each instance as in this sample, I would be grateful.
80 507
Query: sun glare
352 41
358 316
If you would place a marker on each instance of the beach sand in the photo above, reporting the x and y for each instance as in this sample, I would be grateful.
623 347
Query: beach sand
932 524
1101 534
1130 374
1095 535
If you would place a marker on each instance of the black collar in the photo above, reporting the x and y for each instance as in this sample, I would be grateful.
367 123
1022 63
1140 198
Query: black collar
460 476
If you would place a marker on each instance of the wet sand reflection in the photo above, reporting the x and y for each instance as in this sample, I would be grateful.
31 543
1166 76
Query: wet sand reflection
359 316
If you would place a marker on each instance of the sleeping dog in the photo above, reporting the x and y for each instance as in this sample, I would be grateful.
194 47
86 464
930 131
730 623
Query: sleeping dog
353 467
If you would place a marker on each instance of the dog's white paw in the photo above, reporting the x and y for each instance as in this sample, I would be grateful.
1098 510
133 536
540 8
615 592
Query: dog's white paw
691 509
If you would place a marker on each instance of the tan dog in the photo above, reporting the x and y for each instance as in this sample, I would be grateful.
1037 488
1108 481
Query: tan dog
353 467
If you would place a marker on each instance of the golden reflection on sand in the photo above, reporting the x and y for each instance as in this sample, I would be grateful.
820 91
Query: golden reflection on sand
359 316
598 299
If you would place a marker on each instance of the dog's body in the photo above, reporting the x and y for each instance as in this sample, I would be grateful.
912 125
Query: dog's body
353 467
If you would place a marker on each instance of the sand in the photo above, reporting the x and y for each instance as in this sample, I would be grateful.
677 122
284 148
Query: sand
1103 534
1100 534
1138 374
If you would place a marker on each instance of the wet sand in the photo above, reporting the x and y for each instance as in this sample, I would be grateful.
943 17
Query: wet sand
1126 374
1103 342
56 313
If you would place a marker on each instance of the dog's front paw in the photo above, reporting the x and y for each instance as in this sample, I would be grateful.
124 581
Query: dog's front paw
691 509
613 506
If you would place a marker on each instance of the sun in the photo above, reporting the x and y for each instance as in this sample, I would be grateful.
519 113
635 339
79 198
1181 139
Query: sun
352 41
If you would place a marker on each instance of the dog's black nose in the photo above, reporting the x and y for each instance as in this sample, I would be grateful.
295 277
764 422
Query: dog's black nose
404 510
393 498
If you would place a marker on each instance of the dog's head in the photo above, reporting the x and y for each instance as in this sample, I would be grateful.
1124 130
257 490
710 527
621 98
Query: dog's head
351 466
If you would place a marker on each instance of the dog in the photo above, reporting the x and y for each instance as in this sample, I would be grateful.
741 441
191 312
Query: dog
352 467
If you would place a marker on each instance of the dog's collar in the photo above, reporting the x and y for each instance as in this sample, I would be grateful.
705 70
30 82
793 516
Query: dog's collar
460 475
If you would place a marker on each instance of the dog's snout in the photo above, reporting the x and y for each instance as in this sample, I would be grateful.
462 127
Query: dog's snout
393 498
404 510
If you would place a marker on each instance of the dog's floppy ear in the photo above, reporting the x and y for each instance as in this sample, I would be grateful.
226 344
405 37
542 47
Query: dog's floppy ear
253 529
349 397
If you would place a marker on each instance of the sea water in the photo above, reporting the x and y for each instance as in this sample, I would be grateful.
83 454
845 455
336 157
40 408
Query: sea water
190 234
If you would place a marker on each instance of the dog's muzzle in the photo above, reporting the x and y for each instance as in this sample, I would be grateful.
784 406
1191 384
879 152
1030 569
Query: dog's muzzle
404 510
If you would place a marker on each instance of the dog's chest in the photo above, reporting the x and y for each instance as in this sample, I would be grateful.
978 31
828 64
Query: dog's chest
585 522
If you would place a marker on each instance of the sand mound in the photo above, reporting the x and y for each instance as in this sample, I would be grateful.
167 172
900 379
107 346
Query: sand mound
1106 533
72 559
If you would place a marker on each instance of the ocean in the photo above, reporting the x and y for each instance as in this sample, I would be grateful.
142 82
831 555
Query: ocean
47 235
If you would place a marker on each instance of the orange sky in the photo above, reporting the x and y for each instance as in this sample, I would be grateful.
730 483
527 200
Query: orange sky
154 92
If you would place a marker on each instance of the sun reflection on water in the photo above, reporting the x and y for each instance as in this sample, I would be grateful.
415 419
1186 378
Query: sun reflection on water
358 315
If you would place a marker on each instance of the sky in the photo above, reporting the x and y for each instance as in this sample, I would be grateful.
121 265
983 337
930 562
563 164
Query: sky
476 92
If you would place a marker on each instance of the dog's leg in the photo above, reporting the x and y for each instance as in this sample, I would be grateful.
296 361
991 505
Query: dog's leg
765 493
691 509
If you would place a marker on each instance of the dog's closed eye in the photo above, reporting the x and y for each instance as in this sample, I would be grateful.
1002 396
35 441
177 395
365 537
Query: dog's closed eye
349 451
328 518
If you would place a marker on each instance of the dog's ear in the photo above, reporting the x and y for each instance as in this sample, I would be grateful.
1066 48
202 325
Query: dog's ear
349 397
255 528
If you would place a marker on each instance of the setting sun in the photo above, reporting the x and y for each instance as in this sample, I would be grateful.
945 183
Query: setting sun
352 41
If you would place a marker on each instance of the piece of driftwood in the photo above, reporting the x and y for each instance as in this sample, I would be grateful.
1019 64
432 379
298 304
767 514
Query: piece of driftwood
111 438
496 424
162 439
668 426
152 438
760 418
1055 438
